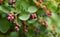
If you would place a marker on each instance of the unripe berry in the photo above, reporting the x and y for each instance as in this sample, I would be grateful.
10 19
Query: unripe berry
44 7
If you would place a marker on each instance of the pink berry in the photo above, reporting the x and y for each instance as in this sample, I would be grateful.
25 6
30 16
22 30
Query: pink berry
17 28
40 1
13 1
34 14
26 30
37 31
8 18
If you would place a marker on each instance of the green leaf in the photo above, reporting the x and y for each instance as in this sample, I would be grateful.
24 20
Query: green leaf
52 6
25 5
32 21
32 9
3 9
14 34
55 17
4 25
24 16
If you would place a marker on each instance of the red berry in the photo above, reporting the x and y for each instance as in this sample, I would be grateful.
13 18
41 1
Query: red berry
44 23
33 16
48 12
37 4
26 30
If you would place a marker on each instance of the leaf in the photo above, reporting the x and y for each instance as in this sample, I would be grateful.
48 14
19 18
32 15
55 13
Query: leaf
52 6
25 5
32 9
14 34
32 21
24 16
55 17
3 9
4 25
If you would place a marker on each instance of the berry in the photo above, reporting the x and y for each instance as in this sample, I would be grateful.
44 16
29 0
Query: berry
13 1
17 28
44 7
24 23
33 16
37 31
37 4
10 17
26 30
40 1
48 12
44 23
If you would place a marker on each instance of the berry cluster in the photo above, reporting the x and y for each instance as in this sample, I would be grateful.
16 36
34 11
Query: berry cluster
33 16
47 12
10 17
